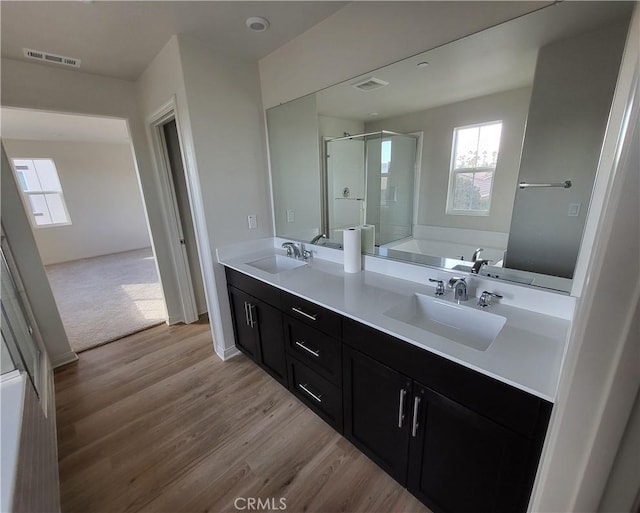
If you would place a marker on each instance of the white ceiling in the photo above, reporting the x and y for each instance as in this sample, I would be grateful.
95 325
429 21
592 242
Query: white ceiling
24 124
491 61
120 38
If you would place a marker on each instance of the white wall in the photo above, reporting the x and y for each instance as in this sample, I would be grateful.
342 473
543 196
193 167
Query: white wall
438 124
221 125
329 126
363 36
34 86
227 123
101 191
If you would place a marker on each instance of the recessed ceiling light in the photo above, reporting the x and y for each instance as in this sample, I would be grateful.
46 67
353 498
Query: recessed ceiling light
373 114
422 65
257 23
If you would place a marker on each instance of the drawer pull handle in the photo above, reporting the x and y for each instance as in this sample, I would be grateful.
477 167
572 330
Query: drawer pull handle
308 316
403 392
316 397
314 353
414 428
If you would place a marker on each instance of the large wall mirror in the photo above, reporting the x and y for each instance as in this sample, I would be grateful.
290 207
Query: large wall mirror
477 155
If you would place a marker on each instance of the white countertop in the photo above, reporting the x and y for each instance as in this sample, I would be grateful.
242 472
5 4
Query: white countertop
527 352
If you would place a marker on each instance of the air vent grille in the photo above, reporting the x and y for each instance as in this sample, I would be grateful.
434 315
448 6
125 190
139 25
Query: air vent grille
370 84
51 57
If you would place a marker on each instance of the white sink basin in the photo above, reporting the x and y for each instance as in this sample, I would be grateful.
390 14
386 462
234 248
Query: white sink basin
276 264
468 326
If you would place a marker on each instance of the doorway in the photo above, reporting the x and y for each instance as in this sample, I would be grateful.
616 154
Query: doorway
182 209
80 190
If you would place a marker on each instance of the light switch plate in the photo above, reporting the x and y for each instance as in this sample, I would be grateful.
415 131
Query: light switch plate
252 220
574 210
290 216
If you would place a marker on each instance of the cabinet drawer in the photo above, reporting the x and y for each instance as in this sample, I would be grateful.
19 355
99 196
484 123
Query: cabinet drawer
319 394
319 351
256 288
309 313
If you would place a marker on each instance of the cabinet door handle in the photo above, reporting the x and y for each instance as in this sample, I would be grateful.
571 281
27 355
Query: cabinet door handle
246 313
403 393
316 397
308 350
416 406
308 316
251 319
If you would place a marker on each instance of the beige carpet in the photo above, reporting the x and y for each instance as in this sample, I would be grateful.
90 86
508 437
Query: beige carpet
105 298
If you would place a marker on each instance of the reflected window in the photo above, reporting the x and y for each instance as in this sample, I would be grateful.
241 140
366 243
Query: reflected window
473 163
41 188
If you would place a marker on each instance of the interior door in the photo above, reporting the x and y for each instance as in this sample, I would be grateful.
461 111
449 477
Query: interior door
183 212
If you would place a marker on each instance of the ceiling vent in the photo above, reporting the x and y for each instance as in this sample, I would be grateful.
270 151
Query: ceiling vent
50 57
370 84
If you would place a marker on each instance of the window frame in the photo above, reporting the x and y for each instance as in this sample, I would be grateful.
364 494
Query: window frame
453 172
26 194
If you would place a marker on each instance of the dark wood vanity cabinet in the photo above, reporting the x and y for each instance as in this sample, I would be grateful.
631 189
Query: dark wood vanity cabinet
313 339
452 454
462 461
376 412
257 322
459 440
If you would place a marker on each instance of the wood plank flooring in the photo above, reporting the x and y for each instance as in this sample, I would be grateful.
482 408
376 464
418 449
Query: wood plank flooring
156 423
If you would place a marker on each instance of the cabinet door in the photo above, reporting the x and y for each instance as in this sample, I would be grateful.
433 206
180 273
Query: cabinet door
376 416
268 320
463 462
246 335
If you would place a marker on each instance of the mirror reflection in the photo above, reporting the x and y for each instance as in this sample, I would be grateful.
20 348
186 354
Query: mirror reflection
370 183
479 155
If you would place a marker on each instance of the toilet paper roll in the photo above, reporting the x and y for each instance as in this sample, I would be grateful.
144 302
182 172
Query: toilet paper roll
368 232
352 242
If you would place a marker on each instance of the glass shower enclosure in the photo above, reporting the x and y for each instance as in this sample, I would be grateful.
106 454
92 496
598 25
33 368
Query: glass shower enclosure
369 179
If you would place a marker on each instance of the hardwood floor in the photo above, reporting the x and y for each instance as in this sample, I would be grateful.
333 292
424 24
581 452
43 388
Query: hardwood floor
156 423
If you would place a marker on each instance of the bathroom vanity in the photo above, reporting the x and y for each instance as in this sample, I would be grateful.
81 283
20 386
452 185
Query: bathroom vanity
459 424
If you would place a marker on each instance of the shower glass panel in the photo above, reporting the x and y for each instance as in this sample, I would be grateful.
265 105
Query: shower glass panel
370 180
394 219
345 185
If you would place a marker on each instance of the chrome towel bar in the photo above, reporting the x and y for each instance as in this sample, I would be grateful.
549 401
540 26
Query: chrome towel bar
565 185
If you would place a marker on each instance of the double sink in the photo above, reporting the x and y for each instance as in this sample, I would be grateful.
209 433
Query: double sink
464 325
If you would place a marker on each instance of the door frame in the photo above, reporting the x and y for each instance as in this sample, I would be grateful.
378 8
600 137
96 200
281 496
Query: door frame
166 113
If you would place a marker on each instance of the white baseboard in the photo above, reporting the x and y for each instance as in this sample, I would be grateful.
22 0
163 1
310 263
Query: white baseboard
62 359
226 354
174 320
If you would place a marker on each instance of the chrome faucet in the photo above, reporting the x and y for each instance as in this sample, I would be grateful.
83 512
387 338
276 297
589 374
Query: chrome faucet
317 238
292 249
485 298
459 286
477 265
476 254
439 287
296 250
